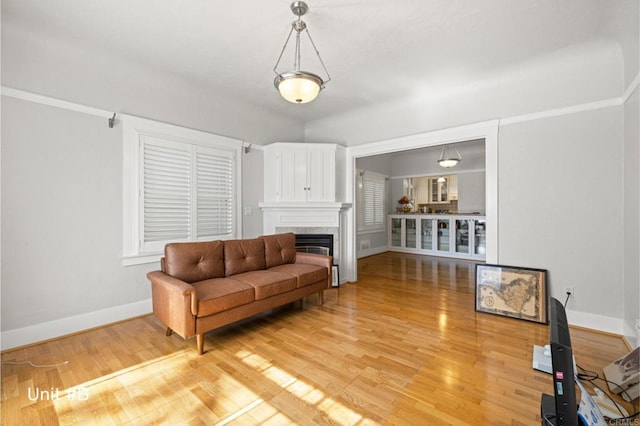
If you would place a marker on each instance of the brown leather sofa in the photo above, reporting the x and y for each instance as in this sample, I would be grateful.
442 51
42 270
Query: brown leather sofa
205 285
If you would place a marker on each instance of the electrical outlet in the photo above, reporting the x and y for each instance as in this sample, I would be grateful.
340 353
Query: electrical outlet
569 290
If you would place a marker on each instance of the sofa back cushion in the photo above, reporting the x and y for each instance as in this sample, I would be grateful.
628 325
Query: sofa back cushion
243 256
279 249
191 262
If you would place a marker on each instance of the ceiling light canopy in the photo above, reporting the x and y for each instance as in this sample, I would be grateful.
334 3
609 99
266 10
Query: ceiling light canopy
299 86
448 158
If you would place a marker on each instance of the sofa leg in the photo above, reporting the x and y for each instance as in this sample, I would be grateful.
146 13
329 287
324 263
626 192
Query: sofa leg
169 331
321 294
200 343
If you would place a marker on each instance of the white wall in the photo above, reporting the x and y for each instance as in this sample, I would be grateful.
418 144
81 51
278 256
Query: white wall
627 30
471 192
631 222
560 207
61 217
62 180
252 192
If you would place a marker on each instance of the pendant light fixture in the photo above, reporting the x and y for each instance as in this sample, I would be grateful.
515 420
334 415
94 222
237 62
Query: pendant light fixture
299 86
448 159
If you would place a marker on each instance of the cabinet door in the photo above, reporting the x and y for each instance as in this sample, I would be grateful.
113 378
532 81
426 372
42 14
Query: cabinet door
444 229
453 187
480 245
462 235
395 232
321 176
421 188
426 240
410 233
293 175
439 189
444 190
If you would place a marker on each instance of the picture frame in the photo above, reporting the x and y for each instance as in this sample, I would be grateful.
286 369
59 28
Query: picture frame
512 291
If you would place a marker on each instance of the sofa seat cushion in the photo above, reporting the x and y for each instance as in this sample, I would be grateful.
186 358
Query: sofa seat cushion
305 274
268 283
219 294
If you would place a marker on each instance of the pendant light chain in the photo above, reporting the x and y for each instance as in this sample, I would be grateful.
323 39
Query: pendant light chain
296 62
284 46
319 57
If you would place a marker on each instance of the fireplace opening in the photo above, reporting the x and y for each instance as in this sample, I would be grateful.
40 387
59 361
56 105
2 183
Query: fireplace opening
318 244
315 243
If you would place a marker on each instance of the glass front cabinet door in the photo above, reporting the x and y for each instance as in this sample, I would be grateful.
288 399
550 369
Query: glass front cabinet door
480 246
456 236
443 234
396 232
426 234
410 233
462 236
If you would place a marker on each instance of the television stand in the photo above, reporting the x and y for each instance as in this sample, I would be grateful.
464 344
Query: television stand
548 410
548 413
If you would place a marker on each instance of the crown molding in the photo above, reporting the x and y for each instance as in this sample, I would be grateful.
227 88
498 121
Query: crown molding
557 112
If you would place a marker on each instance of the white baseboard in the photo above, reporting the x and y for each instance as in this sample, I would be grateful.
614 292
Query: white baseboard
74 324
371 251
595 322
631 334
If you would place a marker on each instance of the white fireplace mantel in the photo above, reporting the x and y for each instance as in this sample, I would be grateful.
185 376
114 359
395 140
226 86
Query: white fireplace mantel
308 214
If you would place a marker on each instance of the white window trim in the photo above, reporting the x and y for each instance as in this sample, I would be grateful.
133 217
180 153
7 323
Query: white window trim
362 228
135 127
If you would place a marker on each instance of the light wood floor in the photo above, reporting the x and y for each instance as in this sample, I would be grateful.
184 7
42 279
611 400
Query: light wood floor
402 346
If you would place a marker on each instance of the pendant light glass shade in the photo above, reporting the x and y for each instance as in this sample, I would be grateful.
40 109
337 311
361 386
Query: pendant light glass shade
299 86
449 159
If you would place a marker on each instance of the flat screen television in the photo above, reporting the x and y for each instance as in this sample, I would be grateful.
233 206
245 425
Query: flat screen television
560 409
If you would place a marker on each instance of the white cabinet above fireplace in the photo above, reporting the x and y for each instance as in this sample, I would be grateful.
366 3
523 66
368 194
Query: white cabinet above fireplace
302 172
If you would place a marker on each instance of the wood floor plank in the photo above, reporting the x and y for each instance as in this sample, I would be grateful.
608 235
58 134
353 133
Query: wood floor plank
403 345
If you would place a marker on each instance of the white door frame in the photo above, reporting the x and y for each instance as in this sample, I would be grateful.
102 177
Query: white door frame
487 130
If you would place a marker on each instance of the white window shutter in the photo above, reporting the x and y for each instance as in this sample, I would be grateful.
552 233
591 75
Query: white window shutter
166 198
214 193
187 193
179 185
373 201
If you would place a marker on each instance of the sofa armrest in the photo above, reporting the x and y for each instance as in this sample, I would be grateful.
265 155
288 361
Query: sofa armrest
175 302
317 259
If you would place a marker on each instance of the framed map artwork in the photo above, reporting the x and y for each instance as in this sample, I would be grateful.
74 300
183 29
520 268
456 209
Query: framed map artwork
512 292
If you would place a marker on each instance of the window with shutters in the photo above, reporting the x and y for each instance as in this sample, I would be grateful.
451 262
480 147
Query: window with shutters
372 200
180 185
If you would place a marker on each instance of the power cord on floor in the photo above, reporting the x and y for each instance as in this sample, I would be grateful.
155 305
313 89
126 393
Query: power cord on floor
592 376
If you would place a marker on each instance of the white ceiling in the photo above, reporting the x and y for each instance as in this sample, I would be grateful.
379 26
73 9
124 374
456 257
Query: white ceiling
376 51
